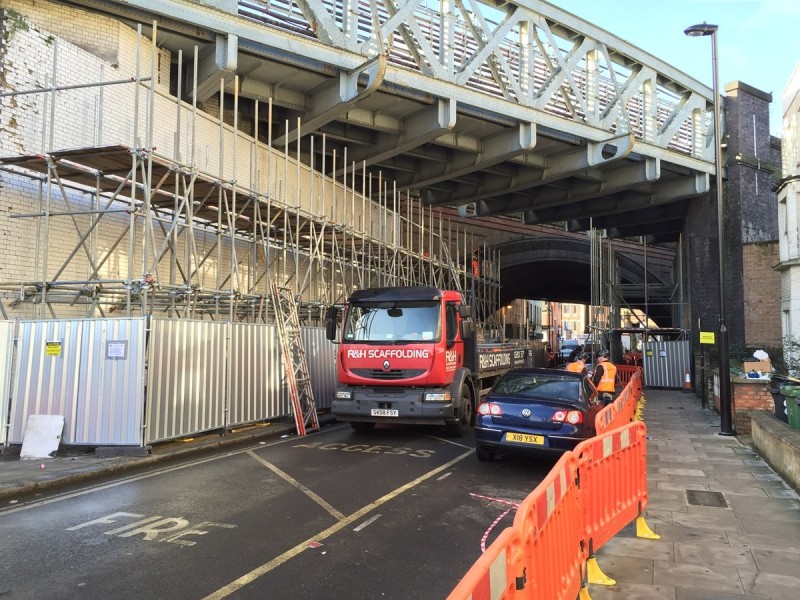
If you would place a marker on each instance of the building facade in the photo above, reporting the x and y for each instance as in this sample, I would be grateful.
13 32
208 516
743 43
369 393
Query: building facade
788 190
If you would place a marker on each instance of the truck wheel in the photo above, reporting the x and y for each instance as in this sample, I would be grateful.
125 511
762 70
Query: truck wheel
362 427
463 415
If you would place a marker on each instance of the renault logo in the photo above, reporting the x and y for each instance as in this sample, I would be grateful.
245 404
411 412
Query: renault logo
386 365
526 412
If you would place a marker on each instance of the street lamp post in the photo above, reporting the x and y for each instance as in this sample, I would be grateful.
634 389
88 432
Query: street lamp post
726 425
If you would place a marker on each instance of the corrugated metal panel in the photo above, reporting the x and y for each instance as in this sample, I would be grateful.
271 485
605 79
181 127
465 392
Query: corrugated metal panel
666 363
46 375
321 357
111 392
256 390
186 378
6 348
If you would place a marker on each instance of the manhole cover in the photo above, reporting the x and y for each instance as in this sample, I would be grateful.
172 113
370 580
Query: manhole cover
701 498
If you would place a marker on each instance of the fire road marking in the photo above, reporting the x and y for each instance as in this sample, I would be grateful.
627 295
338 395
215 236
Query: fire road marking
247 578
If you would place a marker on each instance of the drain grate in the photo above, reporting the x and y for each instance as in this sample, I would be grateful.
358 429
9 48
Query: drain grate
701 498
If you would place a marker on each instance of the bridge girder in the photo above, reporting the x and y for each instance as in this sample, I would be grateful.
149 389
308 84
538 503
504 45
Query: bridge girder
508 98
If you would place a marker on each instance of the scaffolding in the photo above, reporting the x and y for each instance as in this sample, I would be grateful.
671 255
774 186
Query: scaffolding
164 225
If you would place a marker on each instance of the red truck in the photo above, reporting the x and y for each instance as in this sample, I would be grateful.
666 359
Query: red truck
409 355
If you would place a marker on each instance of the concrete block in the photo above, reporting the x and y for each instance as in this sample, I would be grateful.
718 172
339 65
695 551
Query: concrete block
778 443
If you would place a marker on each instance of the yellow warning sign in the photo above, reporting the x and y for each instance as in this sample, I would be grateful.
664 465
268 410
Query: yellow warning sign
707 337
52 348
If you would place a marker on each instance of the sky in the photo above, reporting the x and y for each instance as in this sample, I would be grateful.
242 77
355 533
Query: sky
758 40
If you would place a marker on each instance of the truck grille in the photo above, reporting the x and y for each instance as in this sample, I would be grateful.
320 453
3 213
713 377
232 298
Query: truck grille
382 375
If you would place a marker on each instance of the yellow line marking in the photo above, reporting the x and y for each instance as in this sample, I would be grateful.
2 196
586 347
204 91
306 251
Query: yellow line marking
291 480
292 552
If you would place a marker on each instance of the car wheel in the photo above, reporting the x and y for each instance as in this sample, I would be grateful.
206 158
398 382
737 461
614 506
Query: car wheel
483 454
464 415
362 427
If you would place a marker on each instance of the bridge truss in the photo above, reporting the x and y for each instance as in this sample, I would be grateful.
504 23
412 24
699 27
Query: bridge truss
513 108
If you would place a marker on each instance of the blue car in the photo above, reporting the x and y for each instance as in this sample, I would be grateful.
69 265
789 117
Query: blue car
536 412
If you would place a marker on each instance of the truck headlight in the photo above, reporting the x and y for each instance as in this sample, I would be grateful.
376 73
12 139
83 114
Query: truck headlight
437 397
344 395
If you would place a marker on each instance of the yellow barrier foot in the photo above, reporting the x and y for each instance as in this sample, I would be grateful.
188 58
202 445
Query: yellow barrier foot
643 531
595 575
639 416
584 594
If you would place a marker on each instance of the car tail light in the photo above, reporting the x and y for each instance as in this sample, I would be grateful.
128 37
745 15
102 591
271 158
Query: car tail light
489 408
573 417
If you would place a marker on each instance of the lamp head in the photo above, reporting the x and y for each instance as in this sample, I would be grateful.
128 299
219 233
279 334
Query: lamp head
700 30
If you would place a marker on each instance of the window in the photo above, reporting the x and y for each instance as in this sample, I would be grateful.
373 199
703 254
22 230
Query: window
392 323
451 322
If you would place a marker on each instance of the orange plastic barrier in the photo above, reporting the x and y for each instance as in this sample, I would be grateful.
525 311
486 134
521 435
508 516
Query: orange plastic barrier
625 373
550 523
541 556
613 484
585 500
623 410
494 574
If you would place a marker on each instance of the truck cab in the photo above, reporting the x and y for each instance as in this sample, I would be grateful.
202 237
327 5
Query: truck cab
401 358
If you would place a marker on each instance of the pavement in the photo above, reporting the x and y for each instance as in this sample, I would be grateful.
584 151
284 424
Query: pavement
729 525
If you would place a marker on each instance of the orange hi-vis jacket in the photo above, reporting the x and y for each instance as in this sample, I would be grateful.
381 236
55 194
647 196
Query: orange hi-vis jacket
576 367
608 379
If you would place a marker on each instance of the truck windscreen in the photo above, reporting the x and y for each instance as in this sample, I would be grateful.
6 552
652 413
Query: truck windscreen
393 323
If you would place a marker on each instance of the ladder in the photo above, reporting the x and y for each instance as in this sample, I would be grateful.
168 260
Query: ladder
294 360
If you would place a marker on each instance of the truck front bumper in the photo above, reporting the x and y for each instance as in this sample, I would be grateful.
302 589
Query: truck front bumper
404 406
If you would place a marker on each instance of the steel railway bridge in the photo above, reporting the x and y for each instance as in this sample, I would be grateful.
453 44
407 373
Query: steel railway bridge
507 118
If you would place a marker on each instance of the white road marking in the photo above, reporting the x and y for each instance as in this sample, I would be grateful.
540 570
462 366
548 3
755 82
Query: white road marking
446 475
248 578
366 523
292 481
148 475
455 443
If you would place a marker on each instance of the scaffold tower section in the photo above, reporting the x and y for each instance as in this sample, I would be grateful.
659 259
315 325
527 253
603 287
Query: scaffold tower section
297 379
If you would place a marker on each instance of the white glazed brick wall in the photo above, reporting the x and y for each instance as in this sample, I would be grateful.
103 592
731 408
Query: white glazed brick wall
101 49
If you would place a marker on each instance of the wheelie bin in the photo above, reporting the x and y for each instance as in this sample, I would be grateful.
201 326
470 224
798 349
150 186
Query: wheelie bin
776 382
792 394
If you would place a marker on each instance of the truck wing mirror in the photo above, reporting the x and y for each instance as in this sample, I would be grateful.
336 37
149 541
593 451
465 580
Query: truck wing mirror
464 311
331 316
467 329
330 330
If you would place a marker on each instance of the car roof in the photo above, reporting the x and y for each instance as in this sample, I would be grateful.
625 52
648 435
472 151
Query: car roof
544 371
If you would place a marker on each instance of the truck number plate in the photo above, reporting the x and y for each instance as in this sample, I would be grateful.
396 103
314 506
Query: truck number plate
525 438
384 412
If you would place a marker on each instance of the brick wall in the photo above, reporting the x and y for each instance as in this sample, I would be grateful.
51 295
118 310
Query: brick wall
762 302
35 248
748 395
751 219
752 298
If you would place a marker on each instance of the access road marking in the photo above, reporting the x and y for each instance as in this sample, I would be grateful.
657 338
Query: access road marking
248 578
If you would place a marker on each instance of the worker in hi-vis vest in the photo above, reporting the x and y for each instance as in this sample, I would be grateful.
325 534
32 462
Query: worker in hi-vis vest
605 377
579 366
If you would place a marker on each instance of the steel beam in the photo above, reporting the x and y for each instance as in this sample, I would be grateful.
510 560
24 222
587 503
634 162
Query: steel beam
417 131
333 99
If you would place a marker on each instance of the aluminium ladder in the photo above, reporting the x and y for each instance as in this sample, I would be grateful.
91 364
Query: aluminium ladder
294 360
